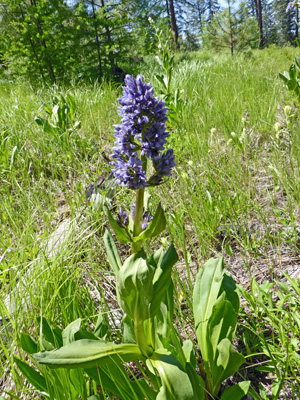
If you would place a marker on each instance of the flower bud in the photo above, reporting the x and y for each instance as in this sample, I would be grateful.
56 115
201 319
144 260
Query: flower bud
213 131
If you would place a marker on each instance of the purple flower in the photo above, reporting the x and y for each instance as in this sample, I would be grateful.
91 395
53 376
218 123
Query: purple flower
291 5
122 218
128 170
163 166
146 217
141 135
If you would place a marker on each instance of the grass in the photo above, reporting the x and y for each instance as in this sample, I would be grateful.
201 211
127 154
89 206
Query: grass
231 194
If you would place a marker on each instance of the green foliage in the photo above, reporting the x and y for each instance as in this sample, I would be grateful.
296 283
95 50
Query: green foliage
171 96
232 29
221 199
291 78
216 306
63 122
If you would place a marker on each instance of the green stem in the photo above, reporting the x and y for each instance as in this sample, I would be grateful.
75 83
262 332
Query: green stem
138 215
141 339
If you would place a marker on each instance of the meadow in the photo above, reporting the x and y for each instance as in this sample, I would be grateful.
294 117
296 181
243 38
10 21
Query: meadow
235 192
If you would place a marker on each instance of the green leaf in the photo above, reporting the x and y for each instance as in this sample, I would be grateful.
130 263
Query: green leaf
100 328
176 384
161 80
227 363
113 256
142 389
78 381
162 278
221 325
236 392
47 127
37 380
206 291
297 60
68 334
155 227
104 378
121 233
128 330
284 76
190 367
28 343
229 288
134 286
87 353
52 334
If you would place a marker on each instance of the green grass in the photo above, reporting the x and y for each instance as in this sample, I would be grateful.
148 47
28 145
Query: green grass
230 196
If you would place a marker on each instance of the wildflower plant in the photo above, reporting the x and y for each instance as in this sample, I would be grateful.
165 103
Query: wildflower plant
144 286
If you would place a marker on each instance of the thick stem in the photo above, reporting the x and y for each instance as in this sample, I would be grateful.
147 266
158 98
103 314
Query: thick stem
138 216
141 339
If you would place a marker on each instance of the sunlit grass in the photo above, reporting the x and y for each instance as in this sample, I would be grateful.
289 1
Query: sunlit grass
224 197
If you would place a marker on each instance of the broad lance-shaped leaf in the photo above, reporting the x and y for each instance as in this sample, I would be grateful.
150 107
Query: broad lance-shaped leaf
221 325
113 256
190 367
68 334
36 379
176 384
28 343
134 286
87 353
162 278
121 233
206 292
228 362
237 391
155 227
115 379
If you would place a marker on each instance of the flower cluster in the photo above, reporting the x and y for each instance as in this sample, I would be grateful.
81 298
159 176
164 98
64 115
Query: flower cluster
122 218
141 136
146 217
291 5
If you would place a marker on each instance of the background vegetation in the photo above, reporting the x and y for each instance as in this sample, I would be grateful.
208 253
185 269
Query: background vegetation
235 191
56 41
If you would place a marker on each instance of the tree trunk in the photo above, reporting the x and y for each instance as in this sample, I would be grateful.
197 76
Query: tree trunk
33 3
174 24
111 55
260 25
33 48
297 21
231 29
97 39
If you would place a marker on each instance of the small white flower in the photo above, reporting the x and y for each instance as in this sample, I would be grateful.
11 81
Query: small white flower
213 131
287 111
277 126
190 162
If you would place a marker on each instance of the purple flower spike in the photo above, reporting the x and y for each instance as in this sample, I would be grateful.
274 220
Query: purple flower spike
141 134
